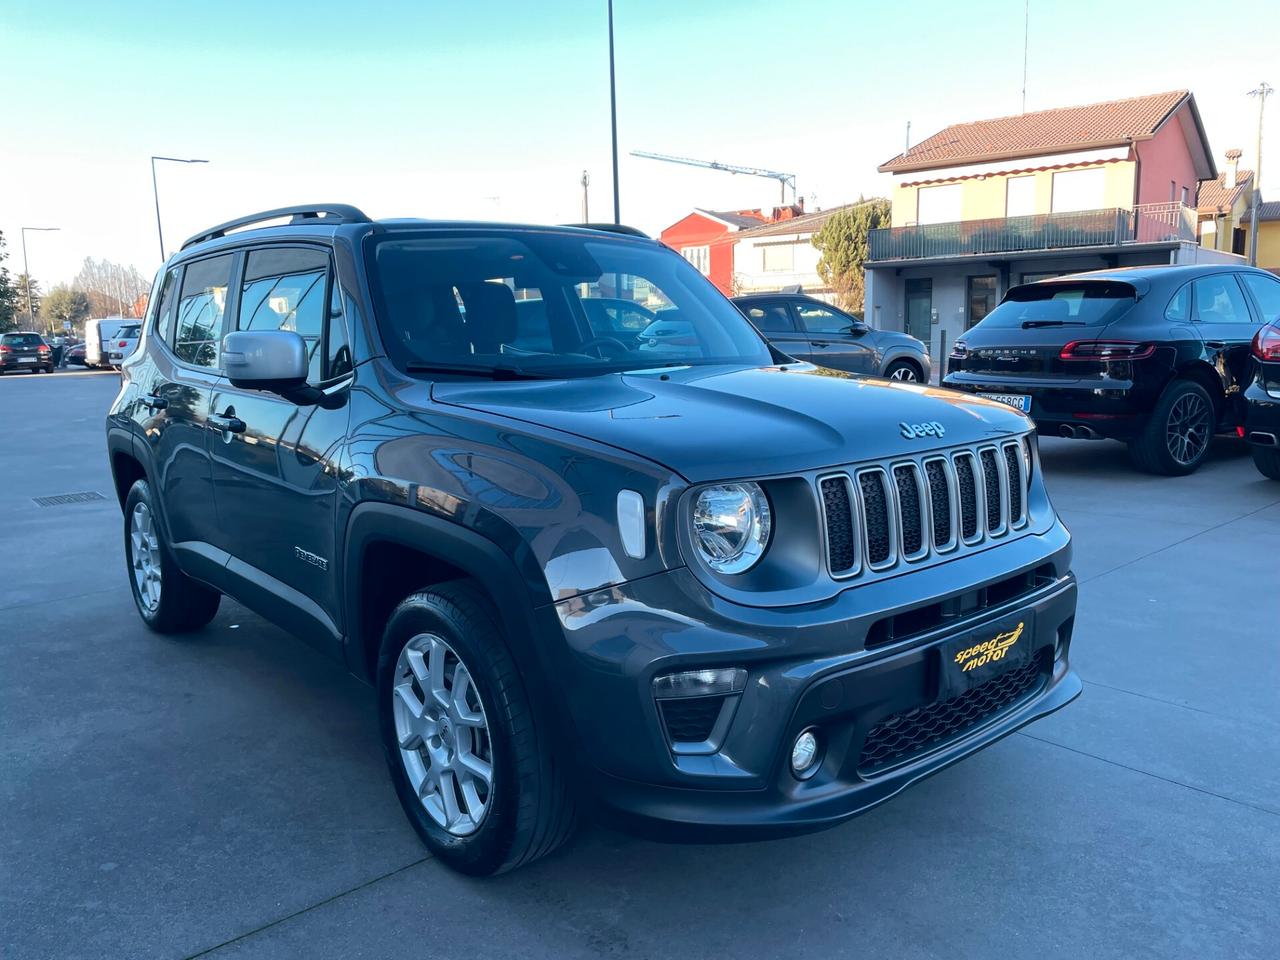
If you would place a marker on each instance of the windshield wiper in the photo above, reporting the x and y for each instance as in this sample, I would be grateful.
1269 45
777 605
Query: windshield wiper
1035 324
495 372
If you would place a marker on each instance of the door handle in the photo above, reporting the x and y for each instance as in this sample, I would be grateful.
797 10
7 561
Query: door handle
227 423
819 343
152 402
1216 344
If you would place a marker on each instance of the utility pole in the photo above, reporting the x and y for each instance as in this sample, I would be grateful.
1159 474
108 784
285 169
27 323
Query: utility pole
1026 37
613 120
155 192
907 146
1262 91
586 180
26 273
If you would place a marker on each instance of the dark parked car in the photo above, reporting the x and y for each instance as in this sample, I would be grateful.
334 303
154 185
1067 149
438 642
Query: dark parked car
809 329
706 592
1157 357
1262 397
75 354
25 351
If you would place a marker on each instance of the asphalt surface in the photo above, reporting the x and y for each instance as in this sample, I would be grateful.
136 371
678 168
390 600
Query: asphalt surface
224 795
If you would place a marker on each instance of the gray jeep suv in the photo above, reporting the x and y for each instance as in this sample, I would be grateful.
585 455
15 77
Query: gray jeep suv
691 586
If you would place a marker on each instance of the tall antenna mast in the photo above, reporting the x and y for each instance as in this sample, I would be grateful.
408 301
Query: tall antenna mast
1026 37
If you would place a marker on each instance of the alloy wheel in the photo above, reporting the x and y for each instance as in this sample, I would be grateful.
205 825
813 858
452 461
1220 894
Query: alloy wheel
144 548
1188 428
905 373
443 734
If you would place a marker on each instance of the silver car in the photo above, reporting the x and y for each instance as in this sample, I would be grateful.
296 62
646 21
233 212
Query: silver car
809 329
123 343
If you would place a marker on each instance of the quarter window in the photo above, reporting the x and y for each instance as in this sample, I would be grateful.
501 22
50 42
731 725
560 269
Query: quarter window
338 348
1267 292
168 294
284 289
1179 308
200 307
1220 300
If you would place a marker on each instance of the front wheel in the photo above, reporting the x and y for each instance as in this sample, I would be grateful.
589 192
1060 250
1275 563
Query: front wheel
475 776
167 599
905 371
1176 437
1267 460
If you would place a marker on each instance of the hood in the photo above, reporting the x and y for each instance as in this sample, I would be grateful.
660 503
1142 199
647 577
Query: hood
721 423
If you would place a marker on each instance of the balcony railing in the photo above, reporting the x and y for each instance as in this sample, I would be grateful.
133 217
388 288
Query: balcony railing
1114 226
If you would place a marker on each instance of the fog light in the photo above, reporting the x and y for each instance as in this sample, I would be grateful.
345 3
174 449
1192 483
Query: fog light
804 755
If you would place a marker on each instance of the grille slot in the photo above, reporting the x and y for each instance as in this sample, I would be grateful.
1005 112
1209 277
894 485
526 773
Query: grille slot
991 489
968 496
875 510
935 472
842 545
912 733
1013 469
912 510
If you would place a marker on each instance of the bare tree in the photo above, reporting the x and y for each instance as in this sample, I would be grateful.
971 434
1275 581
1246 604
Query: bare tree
112 288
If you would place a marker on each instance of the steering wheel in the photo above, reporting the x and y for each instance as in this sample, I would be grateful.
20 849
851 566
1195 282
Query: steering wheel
599 343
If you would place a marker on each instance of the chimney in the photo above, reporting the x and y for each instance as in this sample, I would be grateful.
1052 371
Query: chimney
800 203
1233 161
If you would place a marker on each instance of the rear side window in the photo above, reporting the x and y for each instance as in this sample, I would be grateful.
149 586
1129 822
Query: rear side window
771 317
1086 303
1220 300
284 289
198 332
1266 291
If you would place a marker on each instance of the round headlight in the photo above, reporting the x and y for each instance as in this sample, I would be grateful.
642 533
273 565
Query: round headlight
731 524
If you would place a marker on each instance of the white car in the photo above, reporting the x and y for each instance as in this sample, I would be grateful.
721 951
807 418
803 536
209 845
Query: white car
123 343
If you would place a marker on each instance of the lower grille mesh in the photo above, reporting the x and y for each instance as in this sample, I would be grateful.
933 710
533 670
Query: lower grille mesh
691 719
916 731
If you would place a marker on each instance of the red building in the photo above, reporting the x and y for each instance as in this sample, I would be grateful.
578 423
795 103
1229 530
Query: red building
705 239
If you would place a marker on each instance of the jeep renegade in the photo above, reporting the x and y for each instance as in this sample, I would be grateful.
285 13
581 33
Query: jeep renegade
680 581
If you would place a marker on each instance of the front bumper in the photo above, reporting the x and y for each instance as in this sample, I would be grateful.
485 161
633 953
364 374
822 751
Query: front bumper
807 667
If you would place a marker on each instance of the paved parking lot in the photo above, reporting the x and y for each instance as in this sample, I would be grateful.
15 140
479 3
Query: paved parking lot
224 795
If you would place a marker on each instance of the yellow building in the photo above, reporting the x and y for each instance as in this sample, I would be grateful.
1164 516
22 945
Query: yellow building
1268 235
1223 208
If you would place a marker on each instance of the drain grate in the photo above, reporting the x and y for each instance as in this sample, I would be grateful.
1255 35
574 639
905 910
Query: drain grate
86 496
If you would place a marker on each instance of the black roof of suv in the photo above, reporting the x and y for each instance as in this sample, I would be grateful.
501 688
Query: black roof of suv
703 589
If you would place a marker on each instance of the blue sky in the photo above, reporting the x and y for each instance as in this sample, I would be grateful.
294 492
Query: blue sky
493 109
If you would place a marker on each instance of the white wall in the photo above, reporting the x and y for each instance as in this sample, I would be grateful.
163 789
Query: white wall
751 276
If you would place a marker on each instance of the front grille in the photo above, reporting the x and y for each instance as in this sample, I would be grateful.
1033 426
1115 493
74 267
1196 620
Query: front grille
904 736
912 510
691 719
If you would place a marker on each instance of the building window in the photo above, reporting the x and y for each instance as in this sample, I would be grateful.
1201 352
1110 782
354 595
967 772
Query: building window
1079 189
1184 196
779 257
981 299
1020 197
940 204
1173 190
700 257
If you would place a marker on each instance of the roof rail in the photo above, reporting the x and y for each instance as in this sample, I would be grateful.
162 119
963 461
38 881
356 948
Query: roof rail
611 228
306 213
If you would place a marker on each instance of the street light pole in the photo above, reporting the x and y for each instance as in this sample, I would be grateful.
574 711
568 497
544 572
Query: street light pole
26 274
1262 91
613 120
586 180
155 192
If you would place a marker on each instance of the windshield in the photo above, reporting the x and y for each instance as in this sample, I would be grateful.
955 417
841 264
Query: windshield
548 305
1082 304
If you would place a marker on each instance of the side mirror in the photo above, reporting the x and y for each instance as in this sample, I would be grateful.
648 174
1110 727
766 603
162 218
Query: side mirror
858 328
274 360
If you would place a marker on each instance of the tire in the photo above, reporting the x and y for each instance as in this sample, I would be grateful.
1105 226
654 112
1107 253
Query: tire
526 810
905 371
1267 460
177 604
1186 409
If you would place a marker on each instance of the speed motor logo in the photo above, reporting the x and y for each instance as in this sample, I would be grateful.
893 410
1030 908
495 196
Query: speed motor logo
989 651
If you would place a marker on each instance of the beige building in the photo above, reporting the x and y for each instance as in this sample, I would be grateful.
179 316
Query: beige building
1223 208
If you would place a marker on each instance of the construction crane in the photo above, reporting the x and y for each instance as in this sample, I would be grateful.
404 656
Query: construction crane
784 179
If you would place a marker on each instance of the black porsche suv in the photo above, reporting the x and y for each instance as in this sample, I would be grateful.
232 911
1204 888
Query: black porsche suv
1155 356
689 584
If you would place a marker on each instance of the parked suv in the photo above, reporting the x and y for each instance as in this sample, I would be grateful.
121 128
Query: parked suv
806 328
1155 356
708 593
